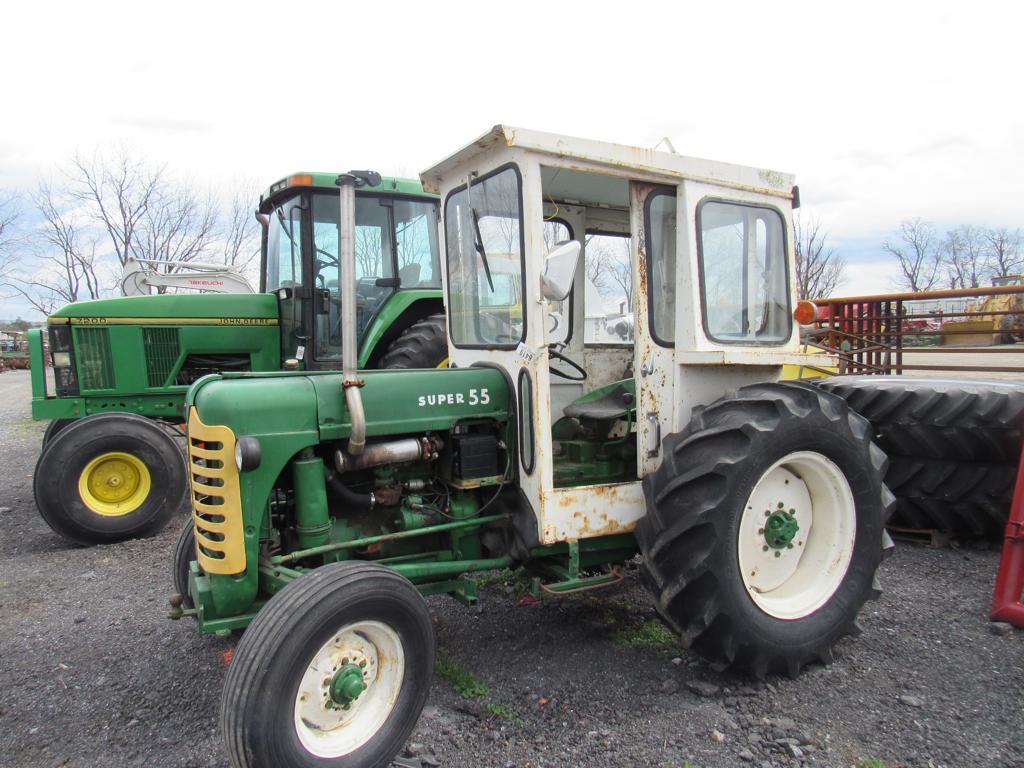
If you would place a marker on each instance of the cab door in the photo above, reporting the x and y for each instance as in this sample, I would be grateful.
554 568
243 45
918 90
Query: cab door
653 222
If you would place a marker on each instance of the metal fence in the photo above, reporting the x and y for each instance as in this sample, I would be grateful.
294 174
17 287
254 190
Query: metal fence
964 330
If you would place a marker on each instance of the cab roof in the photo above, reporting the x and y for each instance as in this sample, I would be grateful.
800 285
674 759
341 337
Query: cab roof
309 180
605 157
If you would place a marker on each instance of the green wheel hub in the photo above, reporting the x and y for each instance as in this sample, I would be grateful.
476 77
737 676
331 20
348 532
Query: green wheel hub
347 684
780 528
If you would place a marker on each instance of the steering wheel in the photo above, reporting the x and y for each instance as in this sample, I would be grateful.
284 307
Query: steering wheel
554 354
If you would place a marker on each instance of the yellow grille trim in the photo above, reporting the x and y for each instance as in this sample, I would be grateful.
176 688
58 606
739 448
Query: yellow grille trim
223 542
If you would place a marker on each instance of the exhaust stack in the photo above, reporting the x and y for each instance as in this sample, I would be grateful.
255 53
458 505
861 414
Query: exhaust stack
347 256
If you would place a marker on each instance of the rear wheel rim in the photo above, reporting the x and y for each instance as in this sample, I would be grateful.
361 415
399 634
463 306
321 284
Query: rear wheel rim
114 484
797 535
330 726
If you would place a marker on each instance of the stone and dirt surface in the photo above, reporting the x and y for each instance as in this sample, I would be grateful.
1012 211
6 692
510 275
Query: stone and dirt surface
93 674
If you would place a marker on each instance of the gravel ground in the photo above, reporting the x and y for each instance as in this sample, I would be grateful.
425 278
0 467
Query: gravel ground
93 674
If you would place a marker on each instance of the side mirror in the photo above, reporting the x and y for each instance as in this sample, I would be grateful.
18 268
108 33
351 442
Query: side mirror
559 270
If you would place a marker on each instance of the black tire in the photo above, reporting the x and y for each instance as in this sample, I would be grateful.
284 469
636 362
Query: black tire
960 498
64 460
423 344
258 703
54 427
184 554
695 507
956 420
1010 331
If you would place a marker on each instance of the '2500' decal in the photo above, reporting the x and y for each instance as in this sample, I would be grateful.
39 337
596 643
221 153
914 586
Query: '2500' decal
473 397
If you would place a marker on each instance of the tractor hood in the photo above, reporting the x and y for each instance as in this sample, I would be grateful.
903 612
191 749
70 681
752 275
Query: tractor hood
407 401
173 309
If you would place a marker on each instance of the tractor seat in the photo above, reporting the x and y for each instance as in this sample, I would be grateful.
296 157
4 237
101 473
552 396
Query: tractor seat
608 403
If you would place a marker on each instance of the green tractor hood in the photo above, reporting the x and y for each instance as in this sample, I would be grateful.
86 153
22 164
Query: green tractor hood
173 309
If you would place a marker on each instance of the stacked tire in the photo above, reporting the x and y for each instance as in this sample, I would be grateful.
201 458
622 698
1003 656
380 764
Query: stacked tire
954 447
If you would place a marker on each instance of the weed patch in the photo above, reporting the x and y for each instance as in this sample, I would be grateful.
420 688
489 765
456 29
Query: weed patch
460 679
650 635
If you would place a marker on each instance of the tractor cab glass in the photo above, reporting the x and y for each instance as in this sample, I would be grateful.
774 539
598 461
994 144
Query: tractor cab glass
744 281
396 249
485 274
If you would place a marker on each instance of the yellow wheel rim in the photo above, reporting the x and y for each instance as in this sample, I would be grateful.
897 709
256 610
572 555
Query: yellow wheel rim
114 484
443 363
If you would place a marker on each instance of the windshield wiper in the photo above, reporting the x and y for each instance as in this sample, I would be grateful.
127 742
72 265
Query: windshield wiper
479 246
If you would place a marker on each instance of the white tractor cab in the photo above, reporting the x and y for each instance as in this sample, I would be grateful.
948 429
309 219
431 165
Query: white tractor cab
696 265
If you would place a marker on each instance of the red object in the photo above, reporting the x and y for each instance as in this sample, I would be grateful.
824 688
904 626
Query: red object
1006 602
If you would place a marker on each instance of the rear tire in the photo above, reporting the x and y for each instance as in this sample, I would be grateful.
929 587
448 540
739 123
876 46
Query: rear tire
1010 331
423 344
274 709
110 477
738 596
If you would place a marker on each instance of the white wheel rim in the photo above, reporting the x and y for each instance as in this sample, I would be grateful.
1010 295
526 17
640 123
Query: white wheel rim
795 580
328 730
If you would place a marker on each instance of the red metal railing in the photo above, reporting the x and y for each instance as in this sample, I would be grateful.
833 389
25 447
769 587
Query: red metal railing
892 333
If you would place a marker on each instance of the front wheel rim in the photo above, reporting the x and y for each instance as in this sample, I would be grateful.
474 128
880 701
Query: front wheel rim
114 484
329 725
797 535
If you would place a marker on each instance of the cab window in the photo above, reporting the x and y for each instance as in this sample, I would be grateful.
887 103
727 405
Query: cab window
485 257
743 273
609 289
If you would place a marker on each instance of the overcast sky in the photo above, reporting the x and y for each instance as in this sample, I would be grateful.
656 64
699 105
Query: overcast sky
883 111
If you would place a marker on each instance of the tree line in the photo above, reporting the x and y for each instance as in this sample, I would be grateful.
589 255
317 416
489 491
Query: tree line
965 256
69 240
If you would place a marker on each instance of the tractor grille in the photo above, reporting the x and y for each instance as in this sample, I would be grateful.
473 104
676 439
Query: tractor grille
162 349
95 364
216 500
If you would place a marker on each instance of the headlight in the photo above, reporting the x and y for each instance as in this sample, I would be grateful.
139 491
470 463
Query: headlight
247 454
62 354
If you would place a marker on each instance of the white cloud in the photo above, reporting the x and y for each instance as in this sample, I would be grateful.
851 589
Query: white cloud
884 111
866 278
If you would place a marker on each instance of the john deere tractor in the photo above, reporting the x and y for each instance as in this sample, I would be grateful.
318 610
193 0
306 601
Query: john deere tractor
110 468
326 505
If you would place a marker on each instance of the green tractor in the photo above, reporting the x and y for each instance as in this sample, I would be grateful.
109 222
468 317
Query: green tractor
110 468
326 505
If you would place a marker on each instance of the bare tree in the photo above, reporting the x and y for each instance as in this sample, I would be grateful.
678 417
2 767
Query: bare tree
917 252
118 191
609 268
65 262
819 269
177 226
1004 251
8 217
963 256
240 231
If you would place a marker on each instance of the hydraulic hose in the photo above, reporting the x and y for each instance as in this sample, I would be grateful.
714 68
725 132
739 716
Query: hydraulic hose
352 499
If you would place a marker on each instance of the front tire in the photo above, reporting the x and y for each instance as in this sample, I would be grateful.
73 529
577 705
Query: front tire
109 477
53 428
184 554
289 697
765 526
